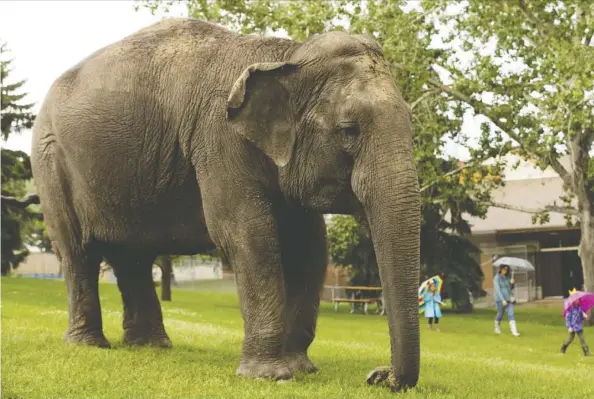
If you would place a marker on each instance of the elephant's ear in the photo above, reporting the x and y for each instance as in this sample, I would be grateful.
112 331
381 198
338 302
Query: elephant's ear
259 105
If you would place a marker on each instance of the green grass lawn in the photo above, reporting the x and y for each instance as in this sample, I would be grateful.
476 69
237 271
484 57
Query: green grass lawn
465 360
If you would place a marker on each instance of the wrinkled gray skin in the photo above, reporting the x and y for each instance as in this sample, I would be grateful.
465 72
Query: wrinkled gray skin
184 136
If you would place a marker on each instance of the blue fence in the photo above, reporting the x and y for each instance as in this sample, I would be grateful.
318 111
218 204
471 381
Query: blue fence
45 276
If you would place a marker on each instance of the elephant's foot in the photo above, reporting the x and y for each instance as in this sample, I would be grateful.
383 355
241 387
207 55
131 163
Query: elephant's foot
299 363
91 338
142 338
385 376
269 369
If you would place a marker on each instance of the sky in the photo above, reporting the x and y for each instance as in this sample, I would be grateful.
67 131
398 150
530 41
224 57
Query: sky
46 38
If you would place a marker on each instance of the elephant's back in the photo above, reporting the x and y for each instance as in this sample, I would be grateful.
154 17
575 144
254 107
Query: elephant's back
170 62
150 55
121 125
107 126
135 86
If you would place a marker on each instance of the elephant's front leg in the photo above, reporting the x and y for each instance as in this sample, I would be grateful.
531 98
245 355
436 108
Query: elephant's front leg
303 240
250 242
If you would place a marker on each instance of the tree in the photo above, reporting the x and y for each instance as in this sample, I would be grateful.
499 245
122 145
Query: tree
451 254
165 263
16 172
536 87
348 245
166 276
15 116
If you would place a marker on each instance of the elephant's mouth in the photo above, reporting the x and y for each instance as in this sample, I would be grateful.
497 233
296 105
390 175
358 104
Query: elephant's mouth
344 202
332 196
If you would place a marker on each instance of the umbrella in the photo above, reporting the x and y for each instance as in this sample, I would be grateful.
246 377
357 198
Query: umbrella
586 301
516 264
438 281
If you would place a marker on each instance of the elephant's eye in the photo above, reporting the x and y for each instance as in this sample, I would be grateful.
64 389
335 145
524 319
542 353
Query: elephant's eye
350 129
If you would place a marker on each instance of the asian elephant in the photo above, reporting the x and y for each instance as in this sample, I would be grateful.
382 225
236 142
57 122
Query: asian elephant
185 136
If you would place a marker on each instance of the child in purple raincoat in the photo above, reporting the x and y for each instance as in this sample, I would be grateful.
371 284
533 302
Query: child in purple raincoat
573 320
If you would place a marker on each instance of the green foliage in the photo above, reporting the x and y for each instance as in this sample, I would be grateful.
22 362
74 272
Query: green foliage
16 170
349 246
536 86
344 238
13 251
19 226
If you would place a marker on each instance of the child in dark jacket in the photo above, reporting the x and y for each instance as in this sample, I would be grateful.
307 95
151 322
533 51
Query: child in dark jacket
573 321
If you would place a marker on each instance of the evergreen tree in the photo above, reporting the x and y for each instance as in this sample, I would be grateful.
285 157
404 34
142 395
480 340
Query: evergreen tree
16 167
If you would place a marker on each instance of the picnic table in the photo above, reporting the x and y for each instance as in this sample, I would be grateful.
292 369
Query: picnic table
353 301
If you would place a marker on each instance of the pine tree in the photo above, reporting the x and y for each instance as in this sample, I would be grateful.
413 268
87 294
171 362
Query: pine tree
16 166
15 115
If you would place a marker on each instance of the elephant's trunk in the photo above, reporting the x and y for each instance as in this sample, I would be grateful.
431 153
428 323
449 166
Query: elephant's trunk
389 193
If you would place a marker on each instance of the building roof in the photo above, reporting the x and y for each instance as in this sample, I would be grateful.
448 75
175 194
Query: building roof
526 169
526 186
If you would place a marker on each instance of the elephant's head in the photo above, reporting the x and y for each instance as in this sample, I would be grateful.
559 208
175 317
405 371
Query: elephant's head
333 121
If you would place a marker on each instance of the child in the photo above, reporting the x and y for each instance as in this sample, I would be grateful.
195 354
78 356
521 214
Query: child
432 311
573 321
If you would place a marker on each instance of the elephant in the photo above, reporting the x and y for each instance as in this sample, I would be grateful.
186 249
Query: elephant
185 137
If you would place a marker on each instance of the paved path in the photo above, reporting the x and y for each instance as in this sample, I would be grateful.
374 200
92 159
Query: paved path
541 303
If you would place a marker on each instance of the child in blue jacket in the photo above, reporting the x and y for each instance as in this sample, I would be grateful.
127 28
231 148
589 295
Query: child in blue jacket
432 310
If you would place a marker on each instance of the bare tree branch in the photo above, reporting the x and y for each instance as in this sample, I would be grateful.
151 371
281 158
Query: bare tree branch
547 29
421 99
542 27
450 173
483 108
20 203
549 208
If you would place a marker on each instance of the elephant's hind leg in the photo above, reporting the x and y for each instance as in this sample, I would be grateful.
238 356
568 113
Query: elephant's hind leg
81 272
143 319
79 257
303 242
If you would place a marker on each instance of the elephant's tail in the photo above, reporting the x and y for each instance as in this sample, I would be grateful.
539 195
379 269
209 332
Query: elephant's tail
20 203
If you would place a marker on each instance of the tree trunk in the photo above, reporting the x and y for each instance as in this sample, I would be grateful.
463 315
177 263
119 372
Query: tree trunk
586 252
166 271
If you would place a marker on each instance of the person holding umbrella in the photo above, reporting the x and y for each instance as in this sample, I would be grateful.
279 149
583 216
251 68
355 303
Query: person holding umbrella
503 284
575 308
